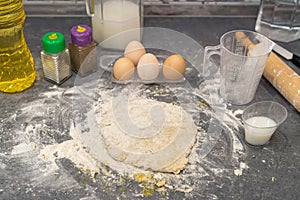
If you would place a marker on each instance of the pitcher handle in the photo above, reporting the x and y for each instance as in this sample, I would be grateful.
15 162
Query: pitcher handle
90 7
208 67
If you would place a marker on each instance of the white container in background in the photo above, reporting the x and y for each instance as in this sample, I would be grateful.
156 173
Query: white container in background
116 22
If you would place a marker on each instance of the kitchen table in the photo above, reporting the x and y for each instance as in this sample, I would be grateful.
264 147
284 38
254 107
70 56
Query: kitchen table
268 172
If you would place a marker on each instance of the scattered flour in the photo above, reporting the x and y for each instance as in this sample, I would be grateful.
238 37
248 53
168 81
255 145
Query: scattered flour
201 170
22 148
73 150
242 167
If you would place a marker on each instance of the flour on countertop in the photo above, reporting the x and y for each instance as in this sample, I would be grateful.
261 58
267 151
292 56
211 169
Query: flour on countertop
45 134
73 150
239 171
22 148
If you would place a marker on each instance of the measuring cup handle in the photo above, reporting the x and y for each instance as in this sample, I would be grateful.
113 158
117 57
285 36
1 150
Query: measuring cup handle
208 67
89 6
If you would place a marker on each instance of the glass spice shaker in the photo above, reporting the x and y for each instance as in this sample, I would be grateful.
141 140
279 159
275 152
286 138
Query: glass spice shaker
55 58
82 48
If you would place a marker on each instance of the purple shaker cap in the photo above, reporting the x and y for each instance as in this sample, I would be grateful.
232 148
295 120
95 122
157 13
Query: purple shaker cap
81 35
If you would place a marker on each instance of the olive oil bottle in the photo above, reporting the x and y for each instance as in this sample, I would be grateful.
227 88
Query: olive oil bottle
16 63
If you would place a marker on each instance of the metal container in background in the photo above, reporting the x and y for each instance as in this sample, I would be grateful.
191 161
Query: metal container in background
279 19
55 58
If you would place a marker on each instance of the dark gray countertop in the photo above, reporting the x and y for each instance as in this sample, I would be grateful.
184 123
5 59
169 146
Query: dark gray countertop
274 169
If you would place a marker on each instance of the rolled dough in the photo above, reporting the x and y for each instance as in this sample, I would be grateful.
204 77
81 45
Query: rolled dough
147 134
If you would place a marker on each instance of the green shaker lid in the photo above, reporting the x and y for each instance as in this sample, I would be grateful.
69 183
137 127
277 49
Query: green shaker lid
53 42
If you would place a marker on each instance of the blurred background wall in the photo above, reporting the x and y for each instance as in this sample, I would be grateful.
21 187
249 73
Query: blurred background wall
151 7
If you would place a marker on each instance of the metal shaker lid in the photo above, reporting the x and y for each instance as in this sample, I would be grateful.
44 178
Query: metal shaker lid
81 35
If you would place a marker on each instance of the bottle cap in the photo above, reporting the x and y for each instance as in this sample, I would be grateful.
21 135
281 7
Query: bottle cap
81 35
53 42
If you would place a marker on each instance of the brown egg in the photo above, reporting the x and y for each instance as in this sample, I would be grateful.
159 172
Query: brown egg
174 67
134 51
123 69
148 67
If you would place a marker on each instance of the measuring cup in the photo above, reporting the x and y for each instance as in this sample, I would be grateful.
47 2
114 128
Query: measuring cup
261 120
243 55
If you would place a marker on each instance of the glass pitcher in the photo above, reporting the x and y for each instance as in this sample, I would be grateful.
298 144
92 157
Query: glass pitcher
279 19
115 22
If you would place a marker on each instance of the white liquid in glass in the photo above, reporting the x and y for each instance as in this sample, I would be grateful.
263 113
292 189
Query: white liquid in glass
118 16
258 130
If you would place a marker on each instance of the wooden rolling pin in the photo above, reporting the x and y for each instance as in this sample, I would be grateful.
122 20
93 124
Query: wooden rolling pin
279 74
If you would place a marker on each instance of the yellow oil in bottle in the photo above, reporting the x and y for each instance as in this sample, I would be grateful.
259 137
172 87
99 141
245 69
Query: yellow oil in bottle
16 63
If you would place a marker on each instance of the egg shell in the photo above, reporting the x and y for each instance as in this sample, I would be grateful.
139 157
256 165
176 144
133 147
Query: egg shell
123 69
148 67
174 67
134 51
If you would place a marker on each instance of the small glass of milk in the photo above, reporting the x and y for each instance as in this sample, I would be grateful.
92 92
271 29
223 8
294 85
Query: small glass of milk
261 119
